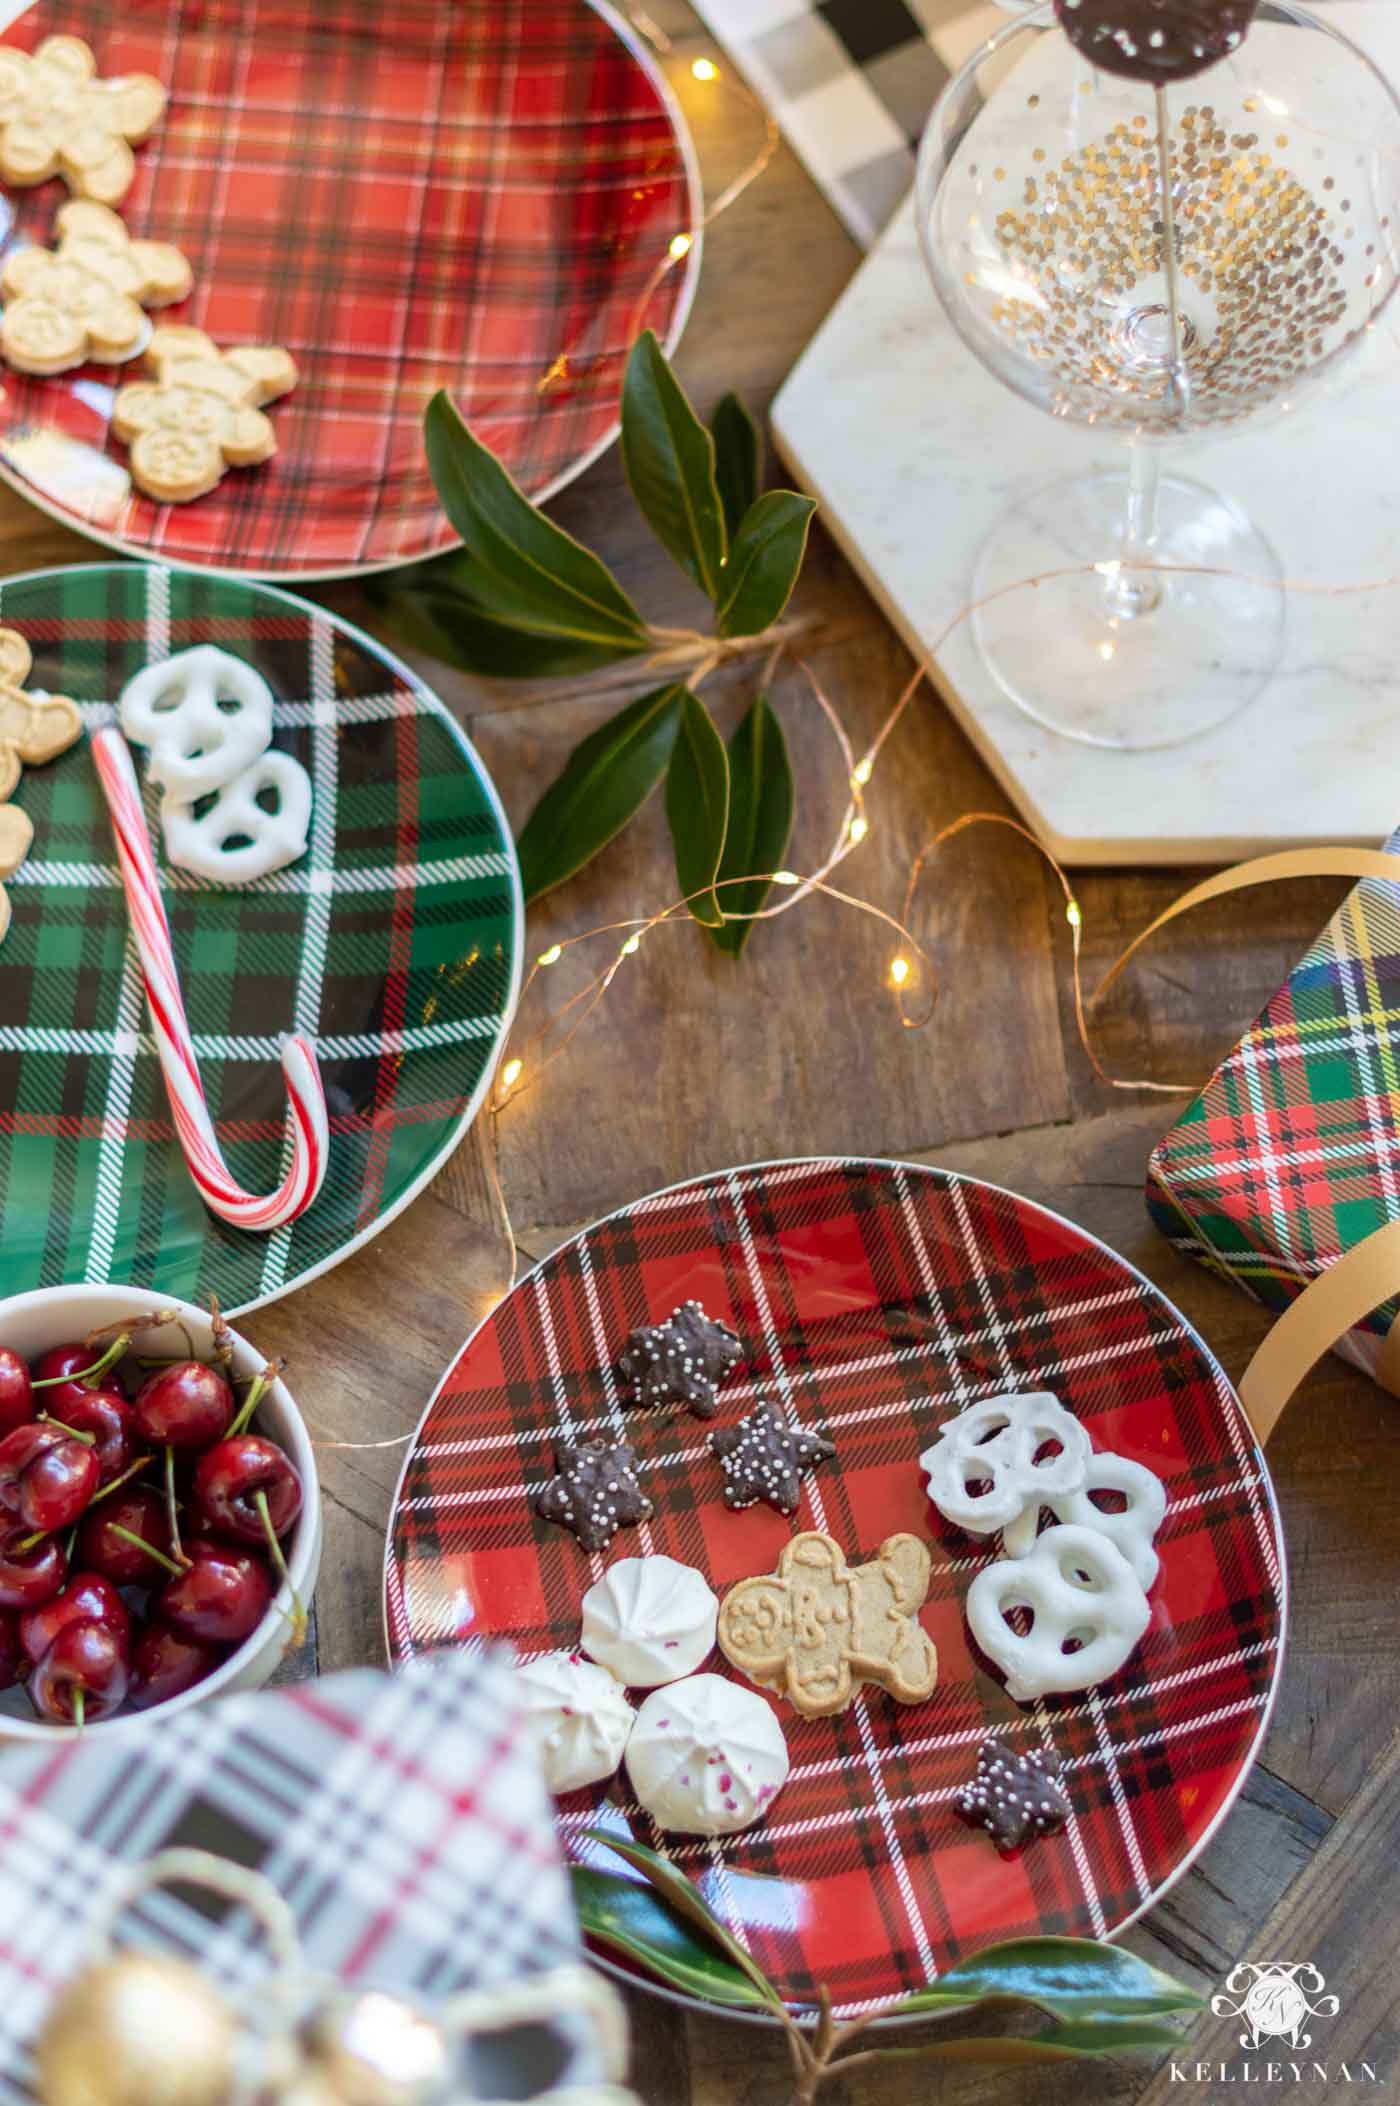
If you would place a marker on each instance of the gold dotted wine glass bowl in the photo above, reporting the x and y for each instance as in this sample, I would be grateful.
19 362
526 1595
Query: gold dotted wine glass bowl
1155 263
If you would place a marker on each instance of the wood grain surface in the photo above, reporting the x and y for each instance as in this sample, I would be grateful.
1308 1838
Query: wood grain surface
695 1063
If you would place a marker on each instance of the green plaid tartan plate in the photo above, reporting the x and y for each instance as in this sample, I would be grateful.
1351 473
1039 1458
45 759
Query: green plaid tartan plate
395 942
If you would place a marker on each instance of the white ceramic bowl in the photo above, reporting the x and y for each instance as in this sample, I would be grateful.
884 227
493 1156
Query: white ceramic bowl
30 1324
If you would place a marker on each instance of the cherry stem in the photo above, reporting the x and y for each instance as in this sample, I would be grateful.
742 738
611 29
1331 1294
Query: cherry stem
262 1382
30 1542
139 1543
130 1471
297 1619
172 1508
79 1707
90 1374
72 1432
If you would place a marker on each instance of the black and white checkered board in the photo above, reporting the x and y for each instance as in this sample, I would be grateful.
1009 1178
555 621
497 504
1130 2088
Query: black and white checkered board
851 83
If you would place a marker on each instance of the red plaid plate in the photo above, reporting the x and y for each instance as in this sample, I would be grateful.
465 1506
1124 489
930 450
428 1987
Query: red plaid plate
471 194
874 1299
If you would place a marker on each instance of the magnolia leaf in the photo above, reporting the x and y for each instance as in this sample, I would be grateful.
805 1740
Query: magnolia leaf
697 808
631 1919
1057 2043
439 618
685 1897
527 572
670 461
763 563
603 782
1071 1978
738 459
761 798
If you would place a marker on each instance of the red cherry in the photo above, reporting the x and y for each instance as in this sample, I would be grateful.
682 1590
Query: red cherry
165 1662
188 1405
223 1596
12 1660
109 1418
100 1548
228 1479
46 1477
83 1676
29 1577
64 1361
16 1392
87 1598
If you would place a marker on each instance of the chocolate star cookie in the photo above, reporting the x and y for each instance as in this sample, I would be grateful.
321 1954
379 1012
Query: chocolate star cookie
594 1491
766 1457
1014 1797
682 1361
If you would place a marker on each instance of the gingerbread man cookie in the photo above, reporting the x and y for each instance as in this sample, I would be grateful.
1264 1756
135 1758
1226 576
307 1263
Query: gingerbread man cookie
199 413
33 728
57 118
85 297
817 1628
16 834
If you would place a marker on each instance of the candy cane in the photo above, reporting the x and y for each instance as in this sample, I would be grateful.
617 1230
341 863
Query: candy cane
193 1126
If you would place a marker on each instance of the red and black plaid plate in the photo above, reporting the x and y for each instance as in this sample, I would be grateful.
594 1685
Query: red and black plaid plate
471 194
873 1300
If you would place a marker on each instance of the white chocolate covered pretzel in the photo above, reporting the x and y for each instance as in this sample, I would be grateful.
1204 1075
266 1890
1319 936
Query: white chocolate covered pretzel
238 839
1082 1594
1131 1530
982 1470
204 714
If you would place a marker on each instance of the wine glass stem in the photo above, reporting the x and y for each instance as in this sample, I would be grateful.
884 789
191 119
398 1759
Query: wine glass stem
1130 592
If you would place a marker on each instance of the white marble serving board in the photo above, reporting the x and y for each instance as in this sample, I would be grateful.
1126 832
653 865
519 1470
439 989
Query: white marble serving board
914 450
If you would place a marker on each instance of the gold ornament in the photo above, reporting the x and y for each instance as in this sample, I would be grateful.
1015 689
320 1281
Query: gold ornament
140 2030
370 2049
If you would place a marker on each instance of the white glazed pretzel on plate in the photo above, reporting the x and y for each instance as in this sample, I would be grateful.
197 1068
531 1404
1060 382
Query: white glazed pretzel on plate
1131 1530
983 1470
1087 1609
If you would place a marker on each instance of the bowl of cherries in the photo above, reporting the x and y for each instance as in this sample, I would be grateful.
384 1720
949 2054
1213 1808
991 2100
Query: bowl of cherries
160 1520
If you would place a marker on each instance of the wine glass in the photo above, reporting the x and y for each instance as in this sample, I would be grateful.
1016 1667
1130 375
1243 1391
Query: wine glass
1153 260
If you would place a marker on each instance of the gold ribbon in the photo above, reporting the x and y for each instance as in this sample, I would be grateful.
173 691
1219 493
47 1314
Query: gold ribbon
1363 1277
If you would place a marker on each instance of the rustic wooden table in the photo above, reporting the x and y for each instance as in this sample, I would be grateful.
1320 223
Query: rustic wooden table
696 1062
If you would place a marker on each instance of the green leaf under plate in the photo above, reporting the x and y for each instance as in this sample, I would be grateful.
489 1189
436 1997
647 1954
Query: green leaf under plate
632 1919
1072 1978
738 459
697 807
603 782
1055 2043
670 461
761 798
528 573
763 564
426 607
685 1897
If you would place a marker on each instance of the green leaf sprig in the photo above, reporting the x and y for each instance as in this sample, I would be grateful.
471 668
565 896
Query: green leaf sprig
522 599
1087 1999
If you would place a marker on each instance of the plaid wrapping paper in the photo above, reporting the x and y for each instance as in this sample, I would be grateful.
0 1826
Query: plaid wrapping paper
394 942
851 82
402 1819
471 194
872 1300
1290 1155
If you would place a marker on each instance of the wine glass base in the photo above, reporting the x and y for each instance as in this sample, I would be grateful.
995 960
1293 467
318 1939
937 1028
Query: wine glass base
1135 681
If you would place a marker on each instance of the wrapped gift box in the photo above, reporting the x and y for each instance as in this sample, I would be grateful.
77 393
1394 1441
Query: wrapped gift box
402 1818
1290 1155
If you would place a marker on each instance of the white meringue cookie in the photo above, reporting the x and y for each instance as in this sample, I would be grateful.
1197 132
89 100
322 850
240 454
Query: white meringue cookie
578 1716
706 1757
649 1620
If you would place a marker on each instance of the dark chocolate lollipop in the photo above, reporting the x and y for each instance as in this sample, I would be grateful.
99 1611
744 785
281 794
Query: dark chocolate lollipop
1158 41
